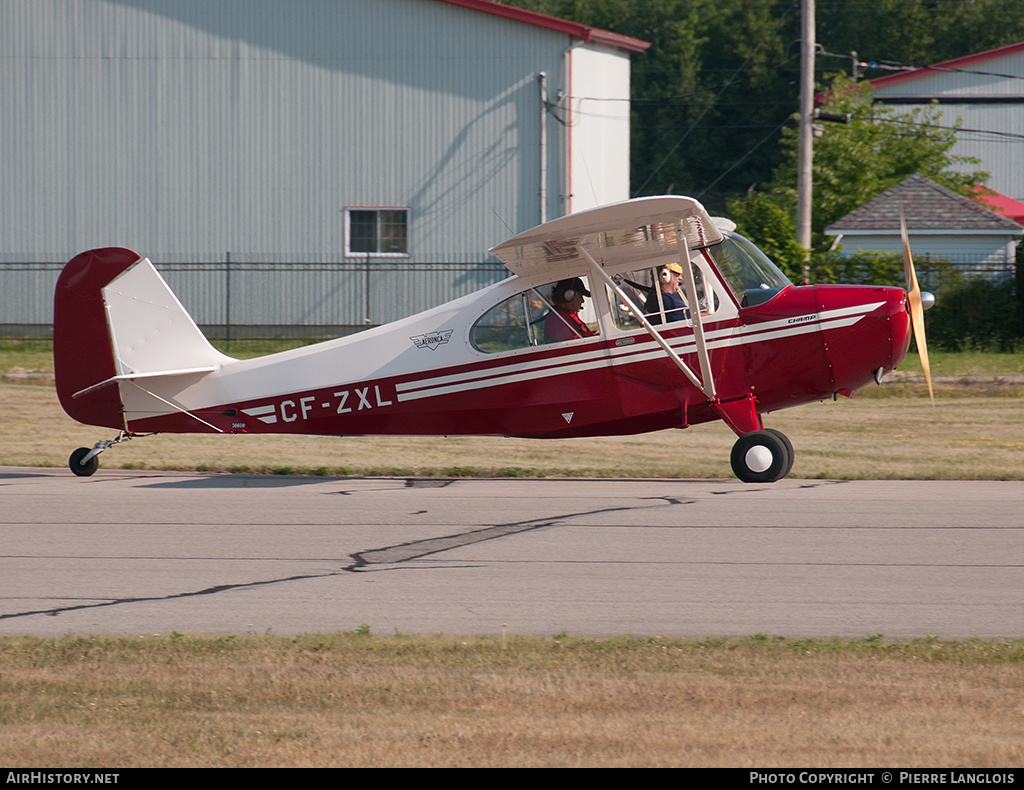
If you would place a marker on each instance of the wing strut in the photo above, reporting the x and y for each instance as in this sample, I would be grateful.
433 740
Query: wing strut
698 322
708 388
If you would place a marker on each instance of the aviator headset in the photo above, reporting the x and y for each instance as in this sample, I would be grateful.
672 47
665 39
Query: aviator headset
567 295
665 272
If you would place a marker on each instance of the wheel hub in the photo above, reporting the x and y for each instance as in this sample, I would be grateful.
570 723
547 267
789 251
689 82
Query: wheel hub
758 459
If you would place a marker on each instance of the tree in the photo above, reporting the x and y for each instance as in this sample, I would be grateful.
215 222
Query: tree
707 93
854 163
918 32
718 84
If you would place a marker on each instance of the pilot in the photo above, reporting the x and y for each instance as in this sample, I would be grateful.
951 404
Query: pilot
564 322
670 278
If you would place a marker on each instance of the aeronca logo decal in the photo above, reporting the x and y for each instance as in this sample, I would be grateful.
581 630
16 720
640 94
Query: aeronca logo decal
299 409
432 340
567 364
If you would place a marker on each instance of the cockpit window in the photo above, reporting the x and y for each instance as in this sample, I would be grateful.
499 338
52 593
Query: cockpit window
659 295
545 314
750 274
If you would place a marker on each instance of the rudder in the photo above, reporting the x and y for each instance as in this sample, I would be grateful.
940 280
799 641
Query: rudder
82 349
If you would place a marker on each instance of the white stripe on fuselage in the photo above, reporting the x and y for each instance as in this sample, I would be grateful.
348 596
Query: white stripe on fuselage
527 370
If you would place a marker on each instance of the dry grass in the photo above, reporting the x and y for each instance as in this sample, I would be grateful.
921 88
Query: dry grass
974 432
359 700
965 436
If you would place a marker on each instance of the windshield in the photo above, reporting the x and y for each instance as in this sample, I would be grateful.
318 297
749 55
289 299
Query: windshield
746 269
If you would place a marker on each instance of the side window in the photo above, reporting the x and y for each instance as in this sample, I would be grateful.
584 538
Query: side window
504 327
549 313
660 295
376 231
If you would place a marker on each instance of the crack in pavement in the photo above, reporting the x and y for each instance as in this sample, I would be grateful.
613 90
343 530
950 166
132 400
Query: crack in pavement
404 552
387 555
208 591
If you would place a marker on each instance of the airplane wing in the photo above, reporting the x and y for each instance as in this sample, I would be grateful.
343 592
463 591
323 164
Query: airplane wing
638 231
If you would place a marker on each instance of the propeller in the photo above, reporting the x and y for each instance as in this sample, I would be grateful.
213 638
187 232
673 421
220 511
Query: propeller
914 299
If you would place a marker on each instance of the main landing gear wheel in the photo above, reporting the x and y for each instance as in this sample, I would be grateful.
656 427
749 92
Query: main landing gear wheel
75 462
789 450
762 456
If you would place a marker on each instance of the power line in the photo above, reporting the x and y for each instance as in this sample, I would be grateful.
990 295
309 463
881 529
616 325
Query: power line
1011 135
743 158
693 126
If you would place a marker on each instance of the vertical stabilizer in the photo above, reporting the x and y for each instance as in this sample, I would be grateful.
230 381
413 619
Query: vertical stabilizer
150 331
115 320
82 351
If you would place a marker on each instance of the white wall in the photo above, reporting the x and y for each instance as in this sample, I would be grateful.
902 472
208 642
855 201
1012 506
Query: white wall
597 135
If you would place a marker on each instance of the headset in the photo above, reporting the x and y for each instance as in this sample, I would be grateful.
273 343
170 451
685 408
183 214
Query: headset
566 296
665 274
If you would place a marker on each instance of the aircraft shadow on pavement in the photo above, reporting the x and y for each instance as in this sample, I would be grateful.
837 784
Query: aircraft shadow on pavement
241 481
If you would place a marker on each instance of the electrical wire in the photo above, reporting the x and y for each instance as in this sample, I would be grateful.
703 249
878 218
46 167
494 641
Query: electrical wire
743 158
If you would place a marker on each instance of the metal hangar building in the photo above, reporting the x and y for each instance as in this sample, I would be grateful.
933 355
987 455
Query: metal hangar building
397 134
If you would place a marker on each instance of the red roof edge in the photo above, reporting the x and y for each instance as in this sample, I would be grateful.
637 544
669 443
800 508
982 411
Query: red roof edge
955 63
591 35
999 203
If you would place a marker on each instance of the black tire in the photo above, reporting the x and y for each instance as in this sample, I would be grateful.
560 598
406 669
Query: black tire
789 449
761 457
88 468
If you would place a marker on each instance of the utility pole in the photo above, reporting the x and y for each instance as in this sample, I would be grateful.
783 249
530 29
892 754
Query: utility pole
806 154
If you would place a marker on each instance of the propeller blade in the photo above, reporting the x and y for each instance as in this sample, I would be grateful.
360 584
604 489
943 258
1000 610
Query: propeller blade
916 308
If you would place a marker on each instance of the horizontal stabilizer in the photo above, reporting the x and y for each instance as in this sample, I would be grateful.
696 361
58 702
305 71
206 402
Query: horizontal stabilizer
137 376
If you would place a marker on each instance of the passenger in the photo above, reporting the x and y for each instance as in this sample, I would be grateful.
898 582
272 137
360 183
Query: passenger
564 322
670 278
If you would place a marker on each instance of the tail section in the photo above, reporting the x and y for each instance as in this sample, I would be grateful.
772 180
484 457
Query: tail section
115 320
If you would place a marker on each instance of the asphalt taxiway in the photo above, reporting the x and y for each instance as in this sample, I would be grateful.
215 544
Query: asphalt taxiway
130 552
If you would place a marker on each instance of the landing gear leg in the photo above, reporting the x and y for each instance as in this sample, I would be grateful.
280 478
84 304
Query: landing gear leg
762 456
84 462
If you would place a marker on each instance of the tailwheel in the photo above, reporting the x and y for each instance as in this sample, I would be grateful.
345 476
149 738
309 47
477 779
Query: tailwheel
762 456
83 462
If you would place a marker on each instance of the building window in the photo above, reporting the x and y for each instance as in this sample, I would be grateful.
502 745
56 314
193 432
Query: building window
376 231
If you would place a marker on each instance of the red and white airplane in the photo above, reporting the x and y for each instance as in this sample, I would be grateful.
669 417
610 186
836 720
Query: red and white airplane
684 322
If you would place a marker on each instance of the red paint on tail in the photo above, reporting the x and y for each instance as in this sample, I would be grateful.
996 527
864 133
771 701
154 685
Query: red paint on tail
82 350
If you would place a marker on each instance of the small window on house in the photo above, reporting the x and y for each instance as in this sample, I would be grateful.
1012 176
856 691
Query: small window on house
377 231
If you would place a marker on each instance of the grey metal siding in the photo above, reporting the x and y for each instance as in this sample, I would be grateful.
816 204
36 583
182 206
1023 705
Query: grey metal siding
997 127
188 128
267 299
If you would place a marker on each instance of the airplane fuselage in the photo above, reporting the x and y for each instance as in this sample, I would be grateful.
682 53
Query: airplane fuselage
803 345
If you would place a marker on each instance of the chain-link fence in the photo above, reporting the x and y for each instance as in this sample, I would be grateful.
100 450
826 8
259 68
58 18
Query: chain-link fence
267 300
977 303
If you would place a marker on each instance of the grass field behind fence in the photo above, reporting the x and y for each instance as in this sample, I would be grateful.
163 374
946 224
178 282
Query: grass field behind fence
975 431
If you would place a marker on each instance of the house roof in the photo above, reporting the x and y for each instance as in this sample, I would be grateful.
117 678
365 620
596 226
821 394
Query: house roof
956 64
590 35
1001 204
926 206
965 63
